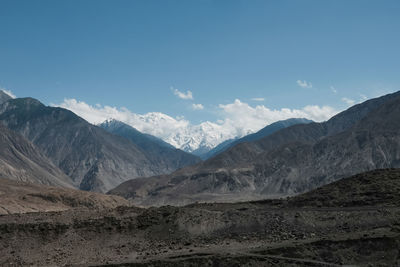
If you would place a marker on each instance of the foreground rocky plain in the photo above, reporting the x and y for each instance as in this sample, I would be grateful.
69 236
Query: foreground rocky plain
355 221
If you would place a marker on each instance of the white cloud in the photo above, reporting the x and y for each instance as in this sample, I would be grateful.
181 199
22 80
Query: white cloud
176 131
236 119
260 99
304 84
197 106
348 101
154 123
182 95
333 89
8 92
245 118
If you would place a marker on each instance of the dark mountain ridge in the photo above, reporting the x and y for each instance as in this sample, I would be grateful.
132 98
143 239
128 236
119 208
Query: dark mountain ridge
4 97
268 130
159 150
303 133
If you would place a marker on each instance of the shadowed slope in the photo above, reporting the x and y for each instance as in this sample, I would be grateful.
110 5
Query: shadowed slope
20 160
266 131
156 148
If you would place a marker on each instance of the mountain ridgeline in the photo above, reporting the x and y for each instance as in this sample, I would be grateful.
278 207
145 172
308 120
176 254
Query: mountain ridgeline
20 160
268 130
4 97
290 161
159 150
92 158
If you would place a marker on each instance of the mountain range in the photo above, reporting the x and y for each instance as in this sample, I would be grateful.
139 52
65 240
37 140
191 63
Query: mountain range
290 161
92 158
53 146
47 153
195 139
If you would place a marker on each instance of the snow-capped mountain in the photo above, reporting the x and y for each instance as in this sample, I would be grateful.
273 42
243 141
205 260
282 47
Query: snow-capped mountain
204 136
236 120
180 133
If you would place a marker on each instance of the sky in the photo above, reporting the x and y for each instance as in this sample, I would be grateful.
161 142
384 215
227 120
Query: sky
246 62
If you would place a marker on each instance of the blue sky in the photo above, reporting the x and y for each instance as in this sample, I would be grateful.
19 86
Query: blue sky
132 53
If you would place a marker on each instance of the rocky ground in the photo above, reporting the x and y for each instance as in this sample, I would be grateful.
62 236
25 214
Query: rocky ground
300 231
22 197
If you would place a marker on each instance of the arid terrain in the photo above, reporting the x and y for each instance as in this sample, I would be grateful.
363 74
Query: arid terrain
22 197
355 221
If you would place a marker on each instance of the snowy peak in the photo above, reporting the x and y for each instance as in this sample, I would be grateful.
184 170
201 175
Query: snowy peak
196 139
176 131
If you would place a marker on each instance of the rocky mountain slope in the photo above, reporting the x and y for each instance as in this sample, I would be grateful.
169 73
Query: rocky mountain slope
156 148
291 161
23 197
353 222
379 187
94 159
20 160
268 130
218 149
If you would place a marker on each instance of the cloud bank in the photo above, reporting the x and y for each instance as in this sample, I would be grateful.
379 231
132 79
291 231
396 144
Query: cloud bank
246 118
236 119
